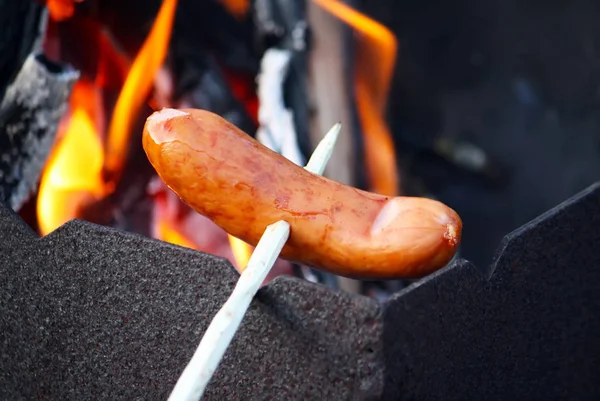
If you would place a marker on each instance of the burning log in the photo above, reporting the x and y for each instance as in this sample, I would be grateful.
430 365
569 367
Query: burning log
34 93
330 82
283 25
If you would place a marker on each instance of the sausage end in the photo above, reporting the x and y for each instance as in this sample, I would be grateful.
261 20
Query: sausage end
155 124
453 234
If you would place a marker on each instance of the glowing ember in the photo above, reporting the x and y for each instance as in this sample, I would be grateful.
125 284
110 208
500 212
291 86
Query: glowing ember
137 87
238 8
61 9
375 60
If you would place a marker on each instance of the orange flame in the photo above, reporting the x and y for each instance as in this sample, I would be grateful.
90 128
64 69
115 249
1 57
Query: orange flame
241 252
375 60
166 232
74 175
137 87
71 177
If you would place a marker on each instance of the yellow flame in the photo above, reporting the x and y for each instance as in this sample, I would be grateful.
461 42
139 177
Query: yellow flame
375 60
71 177
241 252
137 87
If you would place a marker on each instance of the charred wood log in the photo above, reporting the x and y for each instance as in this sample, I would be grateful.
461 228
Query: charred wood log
34 93
33 96
283 24
29 115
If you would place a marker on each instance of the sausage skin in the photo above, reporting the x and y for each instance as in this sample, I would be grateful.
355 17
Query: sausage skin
241 185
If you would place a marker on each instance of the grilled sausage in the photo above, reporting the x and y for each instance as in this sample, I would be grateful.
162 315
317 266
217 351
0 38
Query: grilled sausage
243 187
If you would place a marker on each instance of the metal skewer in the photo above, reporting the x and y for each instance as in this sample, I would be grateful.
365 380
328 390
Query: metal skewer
220 332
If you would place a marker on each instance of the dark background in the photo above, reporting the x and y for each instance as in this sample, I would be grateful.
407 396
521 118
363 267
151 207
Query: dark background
520 80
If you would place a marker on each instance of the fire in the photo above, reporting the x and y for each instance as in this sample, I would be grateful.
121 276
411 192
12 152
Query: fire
137 87
76 175
83 168
375 60
87 161
241 252
165 231
71 178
